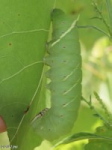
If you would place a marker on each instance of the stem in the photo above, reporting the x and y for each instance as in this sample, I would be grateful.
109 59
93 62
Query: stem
98 114
103 105
102 17
96 28
109 8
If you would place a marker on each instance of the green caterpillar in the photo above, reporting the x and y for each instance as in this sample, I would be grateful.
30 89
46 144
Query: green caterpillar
65 75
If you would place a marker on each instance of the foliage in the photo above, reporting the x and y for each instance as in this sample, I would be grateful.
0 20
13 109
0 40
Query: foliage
23 37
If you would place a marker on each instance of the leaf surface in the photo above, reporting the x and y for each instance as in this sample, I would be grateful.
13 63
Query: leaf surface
24 28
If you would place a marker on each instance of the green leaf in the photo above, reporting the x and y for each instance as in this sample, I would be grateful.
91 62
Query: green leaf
82 136
24 28
104 143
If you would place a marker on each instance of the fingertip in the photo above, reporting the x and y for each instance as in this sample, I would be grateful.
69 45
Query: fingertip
3 127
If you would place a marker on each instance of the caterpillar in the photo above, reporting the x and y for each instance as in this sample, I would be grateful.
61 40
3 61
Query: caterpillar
3 127
65 76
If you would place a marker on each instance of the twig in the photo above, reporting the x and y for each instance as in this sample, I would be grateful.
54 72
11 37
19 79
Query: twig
103 105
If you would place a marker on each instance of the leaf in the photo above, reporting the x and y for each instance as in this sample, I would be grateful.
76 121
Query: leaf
24 28
82 136
45 145
104 143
